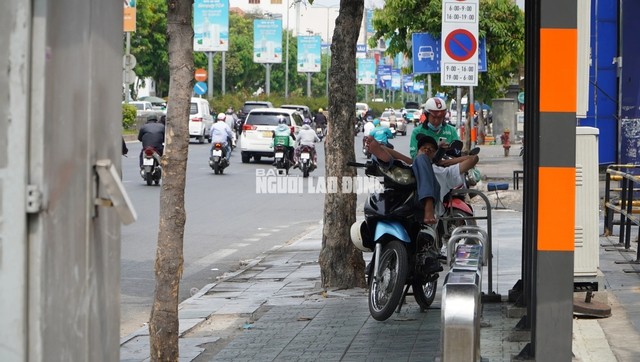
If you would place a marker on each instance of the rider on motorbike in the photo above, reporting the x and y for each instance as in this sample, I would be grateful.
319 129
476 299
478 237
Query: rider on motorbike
151 134
282 136
306 137
221 133
434 126
381 133
320 119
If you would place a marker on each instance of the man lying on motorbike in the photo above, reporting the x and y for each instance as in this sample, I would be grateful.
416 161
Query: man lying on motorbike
427 167
306 137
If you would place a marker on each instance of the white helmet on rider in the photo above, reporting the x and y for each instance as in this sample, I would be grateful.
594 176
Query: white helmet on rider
221 116
435 104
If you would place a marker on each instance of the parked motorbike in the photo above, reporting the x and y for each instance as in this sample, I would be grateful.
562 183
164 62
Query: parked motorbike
151 170
406 252
282 159
306 160
218 160
458 209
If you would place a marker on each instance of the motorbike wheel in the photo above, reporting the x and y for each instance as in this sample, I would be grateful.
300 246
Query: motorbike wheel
424 293
156 182
385 292
148 178
305 171
216 168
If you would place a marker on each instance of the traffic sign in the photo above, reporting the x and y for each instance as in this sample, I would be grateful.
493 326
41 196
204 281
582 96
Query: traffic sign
459 65
201 75
460 45
128 61
128 76
200 88
424 43
521 97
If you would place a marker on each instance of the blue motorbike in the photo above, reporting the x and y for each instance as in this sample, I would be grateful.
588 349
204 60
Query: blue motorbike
406 252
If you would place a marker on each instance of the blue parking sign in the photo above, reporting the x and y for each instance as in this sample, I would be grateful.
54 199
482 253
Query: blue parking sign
426 53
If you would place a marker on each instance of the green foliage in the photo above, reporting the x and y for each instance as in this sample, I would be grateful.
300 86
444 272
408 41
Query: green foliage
501 23
128 116
149 43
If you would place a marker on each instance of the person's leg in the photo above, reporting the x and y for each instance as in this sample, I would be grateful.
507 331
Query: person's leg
427 187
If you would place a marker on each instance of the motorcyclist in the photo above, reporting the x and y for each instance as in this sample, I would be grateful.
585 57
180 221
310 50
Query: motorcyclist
221 133
231 118
282 136
151 135
306 137
320 119
434 126
381 133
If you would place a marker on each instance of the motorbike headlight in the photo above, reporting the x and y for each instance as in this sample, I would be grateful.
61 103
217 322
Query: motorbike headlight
402 176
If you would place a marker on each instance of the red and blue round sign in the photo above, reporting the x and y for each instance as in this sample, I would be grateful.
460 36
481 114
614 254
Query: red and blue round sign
460 45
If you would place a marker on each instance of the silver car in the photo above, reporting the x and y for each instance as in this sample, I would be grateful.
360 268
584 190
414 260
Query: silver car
395 121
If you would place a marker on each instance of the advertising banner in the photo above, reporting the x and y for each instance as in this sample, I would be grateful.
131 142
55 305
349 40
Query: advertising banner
211 25
407 83
267 41
418 86
129 19
366 71
309 48
384 76
396 79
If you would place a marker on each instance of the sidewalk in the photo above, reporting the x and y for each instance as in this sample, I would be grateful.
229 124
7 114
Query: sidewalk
276 310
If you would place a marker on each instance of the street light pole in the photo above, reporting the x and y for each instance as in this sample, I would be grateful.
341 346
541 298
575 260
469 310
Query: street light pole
286 69
326 92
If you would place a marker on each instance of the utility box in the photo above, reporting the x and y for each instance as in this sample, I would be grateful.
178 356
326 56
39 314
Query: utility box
587 240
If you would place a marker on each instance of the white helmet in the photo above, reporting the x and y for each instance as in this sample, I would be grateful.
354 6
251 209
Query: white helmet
221 116
435 104
356 235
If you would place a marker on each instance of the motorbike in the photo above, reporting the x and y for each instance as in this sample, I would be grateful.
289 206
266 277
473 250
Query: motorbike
218 160
282 159
151 170
405 251
306 160
238 126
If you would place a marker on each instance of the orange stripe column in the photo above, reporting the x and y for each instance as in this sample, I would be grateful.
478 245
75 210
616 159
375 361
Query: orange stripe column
554 243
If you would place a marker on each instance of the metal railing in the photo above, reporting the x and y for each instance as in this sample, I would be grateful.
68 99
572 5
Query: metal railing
626 205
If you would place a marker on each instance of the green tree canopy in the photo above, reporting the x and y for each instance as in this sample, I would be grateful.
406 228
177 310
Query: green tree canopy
501 23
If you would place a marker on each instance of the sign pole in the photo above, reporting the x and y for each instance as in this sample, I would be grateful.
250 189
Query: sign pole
210 72
224 72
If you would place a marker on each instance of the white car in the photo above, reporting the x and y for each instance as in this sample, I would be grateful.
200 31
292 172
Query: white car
200 120
257 132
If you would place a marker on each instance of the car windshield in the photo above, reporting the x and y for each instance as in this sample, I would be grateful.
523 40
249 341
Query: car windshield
398 114
386 114
139 106
267 118
248 107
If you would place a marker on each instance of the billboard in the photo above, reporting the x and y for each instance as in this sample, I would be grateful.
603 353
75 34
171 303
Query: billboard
309 48
366 71
211 25
129 15
267 41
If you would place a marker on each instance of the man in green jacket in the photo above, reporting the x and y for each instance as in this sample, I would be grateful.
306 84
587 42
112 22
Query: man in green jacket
434 126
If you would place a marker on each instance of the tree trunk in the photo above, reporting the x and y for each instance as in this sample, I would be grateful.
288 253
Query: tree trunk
163 325
341 264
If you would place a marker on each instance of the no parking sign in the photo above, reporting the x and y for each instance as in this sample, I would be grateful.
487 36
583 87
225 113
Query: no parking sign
459 64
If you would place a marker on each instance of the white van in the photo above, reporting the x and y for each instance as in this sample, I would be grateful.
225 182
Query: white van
200 120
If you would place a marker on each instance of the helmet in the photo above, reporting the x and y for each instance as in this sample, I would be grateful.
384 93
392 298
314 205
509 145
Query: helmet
356 232
435 104
376 122
221 117
306 121
319 109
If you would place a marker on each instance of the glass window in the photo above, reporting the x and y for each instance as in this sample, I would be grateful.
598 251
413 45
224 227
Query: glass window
194 108
254 1
266 119
276 1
